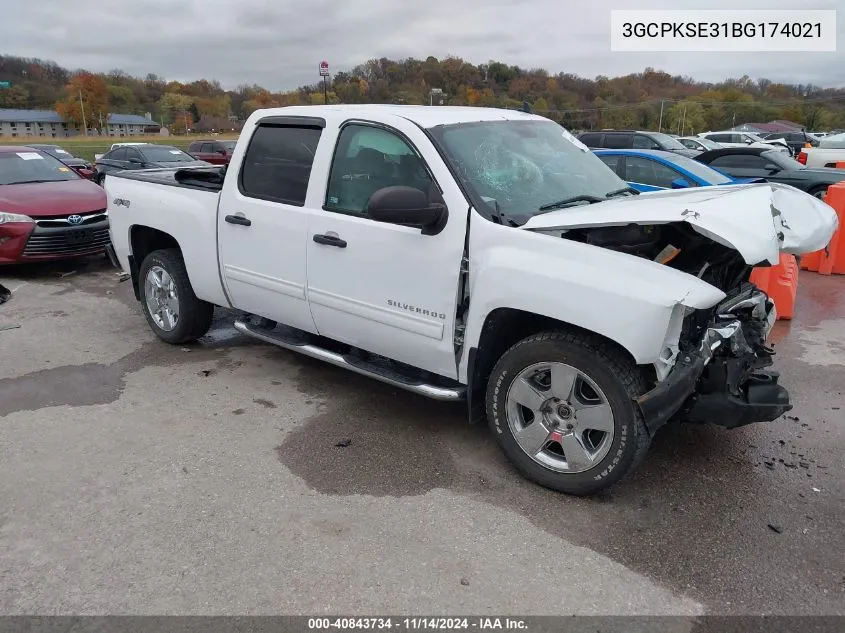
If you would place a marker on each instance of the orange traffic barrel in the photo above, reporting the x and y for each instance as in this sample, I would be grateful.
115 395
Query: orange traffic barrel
780 283
830 260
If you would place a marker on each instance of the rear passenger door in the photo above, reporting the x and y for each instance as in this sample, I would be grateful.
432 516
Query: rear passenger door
262 221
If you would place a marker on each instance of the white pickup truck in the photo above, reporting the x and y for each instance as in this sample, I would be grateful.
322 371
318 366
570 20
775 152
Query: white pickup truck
829 153
478 254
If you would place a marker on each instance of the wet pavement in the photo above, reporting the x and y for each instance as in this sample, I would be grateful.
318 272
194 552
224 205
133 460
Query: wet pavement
233 477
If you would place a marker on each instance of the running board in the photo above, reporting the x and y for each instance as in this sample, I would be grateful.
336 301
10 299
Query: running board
359 366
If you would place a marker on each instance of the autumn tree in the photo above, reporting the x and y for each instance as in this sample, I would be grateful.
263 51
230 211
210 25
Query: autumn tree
174 107
86 103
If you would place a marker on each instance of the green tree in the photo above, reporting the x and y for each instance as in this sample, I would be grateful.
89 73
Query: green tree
14 97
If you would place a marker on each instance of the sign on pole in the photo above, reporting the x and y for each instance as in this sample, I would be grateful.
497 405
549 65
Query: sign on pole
5 84
324 69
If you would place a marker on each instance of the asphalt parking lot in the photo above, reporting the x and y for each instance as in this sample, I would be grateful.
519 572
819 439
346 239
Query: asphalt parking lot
232 477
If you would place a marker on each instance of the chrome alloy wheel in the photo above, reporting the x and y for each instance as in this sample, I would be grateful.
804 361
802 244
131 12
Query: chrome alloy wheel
162 300
560 417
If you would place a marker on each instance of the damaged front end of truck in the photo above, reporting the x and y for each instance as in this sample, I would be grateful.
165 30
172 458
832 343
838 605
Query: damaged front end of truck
719 366
722 372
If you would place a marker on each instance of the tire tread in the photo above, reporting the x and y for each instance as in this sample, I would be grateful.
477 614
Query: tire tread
195 315
627 373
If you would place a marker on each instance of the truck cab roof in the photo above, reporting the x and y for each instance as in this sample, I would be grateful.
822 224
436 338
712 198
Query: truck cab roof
424 116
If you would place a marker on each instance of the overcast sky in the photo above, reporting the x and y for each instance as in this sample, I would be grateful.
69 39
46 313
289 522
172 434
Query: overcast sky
279 43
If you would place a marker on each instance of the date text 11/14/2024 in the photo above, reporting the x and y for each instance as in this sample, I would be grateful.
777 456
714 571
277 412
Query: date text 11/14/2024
418 623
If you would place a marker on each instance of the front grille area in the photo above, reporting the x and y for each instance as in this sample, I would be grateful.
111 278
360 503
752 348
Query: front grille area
69 240
60 221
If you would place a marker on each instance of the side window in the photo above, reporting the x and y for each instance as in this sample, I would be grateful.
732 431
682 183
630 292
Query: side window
610 160
590 139
740 161
277 164
131 153
650 172
207 148
617 141
367 159
720 138
118 154
194 147
643 142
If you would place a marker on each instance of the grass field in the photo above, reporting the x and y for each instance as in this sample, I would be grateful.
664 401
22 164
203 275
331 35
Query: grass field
83 147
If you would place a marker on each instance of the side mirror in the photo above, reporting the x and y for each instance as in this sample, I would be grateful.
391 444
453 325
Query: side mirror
85 173
748 141
407 206
771 168
680 183
136 161
222 150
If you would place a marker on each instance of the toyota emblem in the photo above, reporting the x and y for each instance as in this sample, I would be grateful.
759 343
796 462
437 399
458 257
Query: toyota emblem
74 219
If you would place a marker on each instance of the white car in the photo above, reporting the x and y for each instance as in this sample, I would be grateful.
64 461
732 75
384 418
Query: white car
829 153
482 255
700 144
732 138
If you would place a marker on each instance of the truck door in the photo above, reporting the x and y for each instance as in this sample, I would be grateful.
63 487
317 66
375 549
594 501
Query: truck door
262 221
383 287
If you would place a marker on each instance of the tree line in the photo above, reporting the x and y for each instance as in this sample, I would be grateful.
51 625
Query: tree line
640 100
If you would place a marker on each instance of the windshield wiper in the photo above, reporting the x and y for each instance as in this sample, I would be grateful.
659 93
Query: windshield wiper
568 201
29 182
619 192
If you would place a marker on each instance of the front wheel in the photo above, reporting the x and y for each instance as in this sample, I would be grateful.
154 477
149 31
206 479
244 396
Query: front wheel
170 306
561 407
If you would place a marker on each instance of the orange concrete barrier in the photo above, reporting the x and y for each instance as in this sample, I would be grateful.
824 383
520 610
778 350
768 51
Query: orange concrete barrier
780 283
830 260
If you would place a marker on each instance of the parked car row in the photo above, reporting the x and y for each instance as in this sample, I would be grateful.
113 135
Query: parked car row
683 145
653 170
51 206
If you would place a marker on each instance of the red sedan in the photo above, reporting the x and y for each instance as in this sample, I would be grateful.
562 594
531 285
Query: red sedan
47 211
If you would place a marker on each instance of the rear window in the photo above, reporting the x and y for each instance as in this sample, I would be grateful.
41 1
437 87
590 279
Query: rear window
277 164
166 154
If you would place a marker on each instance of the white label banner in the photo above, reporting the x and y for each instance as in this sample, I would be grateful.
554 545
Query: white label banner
802 30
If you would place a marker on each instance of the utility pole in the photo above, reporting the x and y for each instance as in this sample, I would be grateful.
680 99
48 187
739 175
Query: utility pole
325 90
660 123
82 107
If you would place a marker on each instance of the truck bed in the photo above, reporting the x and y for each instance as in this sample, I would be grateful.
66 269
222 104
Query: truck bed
202 178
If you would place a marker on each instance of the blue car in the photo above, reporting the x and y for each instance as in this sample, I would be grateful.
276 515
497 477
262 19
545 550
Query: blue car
655 170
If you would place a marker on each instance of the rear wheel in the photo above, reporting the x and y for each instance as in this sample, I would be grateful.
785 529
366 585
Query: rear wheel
170 306
561 407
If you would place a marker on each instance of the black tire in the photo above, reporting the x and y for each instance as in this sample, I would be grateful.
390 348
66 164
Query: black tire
818 192
617 376
194 314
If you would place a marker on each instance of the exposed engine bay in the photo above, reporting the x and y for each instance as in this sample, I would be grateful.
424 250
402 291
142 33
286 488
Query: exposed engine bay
722 371
677 245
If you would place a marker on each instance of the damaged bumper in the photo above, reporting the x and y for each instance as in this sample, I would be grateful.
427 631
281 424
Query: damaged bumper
725 380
